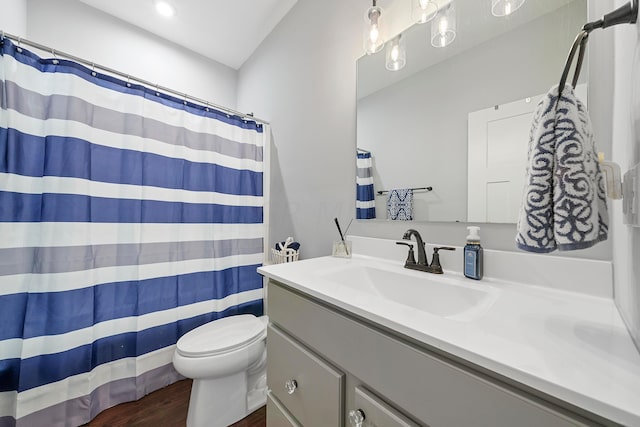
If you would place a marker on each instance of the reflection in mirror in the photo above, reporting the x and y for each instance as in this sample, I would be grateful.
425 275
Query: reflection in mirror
420 122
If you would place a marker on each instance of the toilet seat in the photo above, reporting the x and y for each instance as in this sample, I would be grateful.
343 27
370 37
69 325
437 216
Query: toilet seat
221 336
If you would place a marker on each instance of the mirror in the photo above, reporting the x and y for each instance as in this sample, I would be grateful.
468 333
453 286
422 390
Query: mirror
422 123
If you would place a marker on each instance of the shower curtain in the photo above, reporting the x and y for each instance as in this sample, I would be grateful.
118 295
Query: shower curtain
127 218
365 196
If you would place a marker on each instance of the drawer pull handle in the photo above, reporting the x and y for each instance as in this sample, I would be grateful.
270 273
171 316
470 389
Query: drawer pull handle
356 417
291 386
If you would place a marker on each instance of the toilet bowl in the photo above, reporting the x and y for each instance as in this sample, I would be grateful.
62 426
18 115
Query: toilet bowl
227 360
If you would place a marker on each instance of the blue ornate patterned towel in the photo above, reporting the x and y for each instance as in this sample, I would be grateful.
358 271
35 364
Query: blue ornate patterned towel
564 203
400 204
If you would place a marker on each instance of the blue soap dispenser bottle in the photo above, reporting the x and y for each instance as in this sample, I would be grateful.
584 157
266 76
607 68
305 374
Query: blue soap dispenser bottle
473 254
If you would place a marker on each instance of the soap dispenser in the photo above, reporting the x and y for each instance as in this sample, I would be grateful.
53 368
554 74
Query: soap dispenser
473 254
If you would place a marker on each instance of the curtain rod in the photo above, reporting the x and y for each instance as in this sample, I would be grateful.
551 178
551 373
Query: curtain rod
129 77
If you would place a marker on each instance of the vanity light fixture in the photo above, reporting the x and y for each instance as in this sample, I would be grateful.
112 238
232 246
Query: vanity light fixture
165 8
373 31
424 10
396 57
505 7
443 27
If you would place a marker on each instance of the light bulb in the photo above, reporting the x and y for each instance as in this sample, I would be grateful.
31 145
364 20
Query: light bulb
505 7
374 34
442 26
395 53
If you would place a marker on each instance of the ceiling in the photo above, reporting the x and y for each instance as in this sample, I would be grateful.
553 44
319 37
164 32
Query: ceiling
227 31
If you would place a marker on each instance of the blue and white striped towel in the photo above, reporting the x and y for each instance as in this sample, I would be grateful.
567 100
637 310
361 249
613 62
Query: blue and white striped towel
564 202
400 204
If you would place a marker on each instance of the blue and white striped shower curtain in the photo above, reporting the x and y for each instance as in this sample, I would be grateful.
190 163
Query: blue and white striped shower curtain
127 218
365 196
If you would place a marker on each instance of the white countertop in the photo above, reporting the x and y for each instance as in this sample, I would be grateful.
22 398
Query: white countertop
569 345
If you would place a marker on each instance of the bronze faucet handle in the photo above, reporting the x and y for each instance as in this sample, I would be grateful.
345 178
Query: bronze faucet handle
435 266
411 259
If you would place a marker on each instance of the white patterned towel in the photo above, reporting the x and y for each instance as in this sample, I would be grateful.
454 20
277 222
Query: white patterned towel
564 202
400 204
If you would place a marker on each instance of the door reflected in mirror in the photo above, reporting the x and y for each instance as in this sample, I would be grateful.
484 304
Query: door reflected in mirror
457 118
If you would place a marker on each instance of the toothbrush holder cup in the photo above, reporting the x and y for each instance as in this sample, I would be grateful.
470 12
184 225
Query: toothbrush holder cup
341 249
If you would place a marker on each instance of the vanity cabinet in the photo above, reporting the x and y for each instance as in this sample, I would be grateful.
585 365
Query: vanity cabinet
345 366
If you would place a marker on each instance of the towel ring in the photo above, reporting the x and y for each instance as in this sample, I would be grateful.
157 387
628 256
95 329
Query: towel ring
579 42
625 14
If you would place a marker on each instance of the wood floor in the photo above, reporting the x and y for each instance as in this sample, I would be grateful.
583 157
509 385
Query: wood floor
166 407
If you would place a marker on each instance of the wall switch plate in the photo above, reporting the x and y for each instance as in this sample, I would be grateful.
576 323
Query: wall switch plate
631 198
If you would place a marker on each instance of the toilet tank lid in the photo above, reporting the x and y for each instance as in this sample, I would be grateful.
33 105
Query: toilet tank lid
221 336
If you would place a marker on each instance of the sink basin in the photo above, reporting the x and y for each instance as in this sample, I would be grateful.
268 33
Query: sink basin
427 292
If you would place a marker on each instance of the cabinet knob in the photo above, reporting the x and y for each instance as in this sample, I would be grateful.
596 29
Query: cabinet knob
291 386
356 417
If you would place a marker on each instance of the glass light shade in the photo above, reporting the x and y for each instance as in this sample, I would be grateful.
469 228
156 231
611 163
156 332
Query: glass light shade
373 30
424 10
443 27
505 7
396 57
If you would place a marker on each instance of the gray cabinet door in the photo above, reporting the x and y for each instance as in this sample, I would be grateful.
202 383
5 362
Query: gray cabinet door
309 388
277 416
376 413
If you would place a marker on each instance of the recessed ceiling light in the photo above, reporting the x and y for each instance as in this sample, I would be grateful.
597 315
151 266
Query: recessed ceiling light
165 8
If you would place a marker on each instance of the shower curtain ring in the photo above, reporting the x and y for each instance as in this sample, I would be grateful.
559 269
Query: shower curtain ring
185 99
128 80
55 58
206 108
157 90
19 47
93 69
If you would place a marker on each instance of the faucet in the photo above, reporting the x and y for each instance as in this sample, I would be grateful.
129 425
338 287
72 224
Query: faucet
423 263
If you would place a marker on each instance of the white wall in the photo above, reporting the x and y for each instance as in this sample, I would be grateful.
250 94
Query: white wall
626 152
13 17
80 30
303 80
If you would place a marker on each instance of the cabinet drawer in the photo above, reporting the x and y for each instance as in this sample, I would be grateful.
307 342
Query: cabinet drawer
316 399
277 416
425 386
375 412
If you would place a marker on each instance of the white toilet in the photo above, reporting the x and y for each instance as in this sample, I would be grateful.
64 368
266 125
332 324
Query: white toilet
227 360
